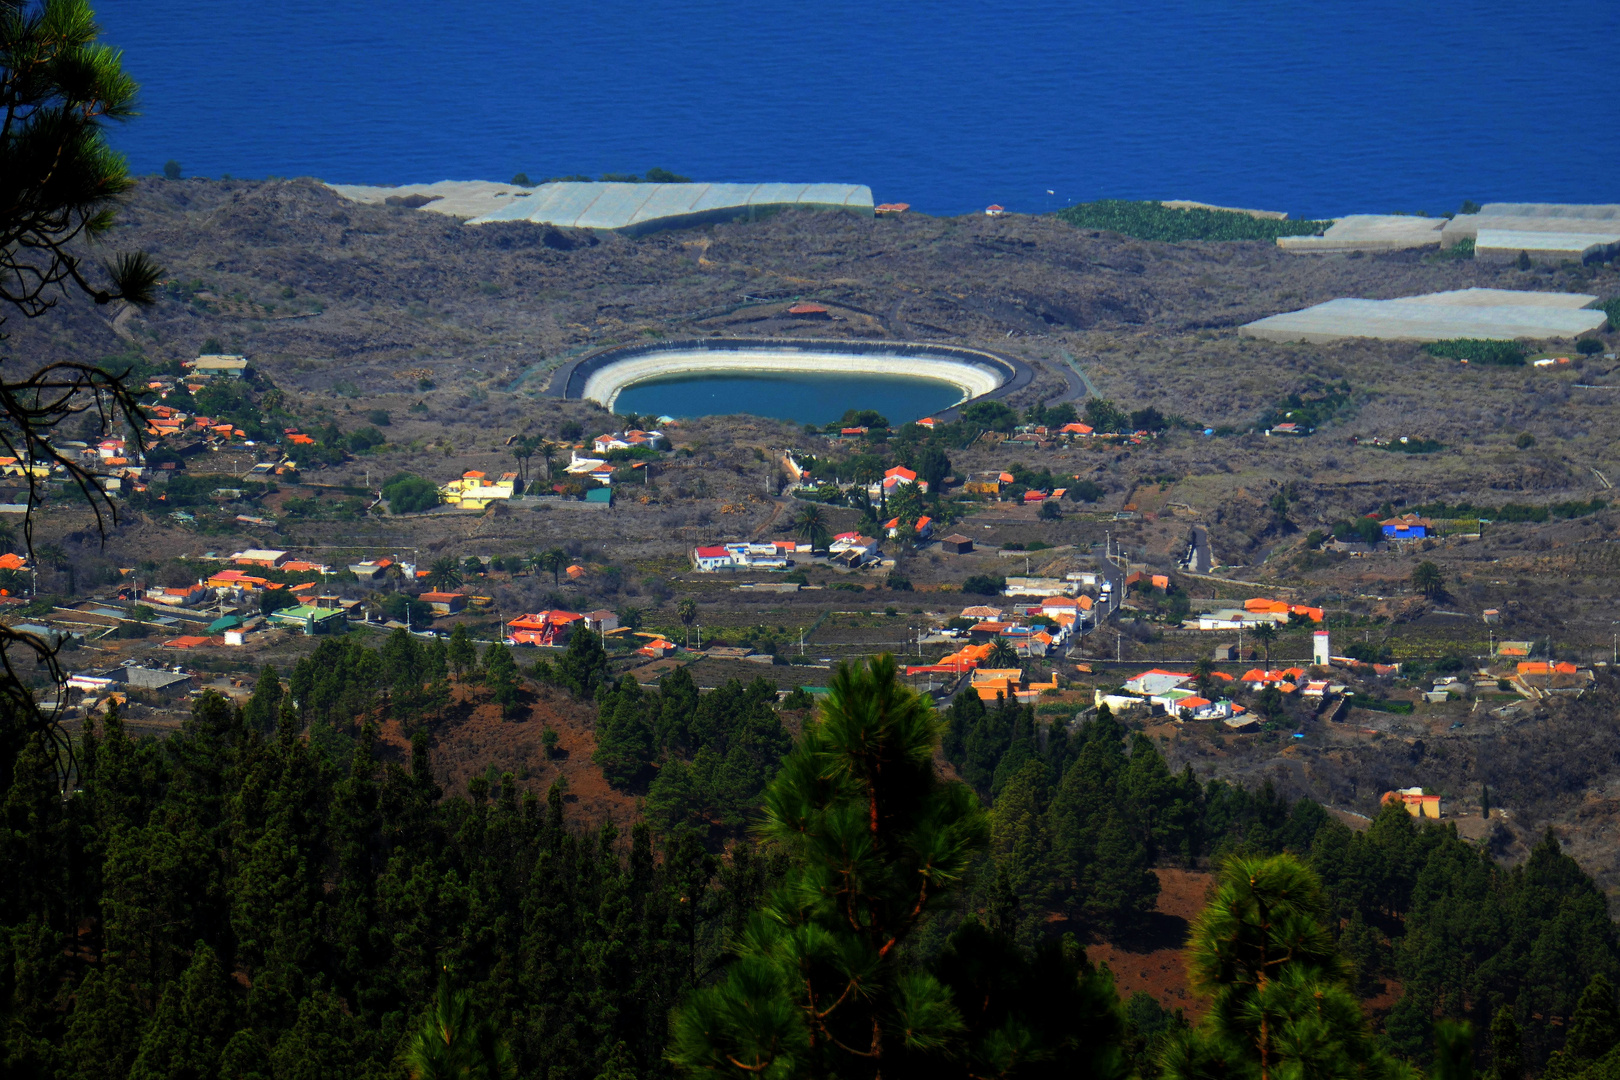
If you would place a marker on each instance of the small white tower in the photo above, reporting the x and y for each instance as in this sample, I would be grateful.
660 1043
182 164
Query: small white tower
1320 655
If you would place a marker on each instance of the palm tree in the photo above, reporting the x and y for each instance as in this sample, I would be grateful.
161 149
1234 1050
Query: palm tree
1203 675
811 527
548 454
1427 579
686 610
444 574
1002 654
57 559
452 1042
554 560
1267 633
522 451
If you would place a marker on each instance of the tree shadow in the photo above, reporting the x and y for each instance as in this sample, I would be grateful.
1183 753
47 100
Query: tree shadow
1154 931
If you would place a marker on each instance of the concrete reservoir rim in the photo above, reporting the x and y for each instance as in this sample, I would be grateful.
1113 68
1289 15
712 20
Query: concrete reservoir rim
606 383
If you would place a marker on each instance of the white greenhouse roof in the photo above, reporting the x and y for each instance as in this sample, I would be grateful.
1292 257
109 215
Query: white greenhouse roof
594 205
1465 313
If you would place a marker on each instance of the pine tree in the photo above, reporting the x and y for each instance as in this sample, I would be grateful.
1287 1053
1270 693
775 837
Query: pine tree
436 670
1281 1004
462 654
624 737
1119 885
1021 846
819 986
452 1043
105 1030
193 1020
583 667
1594 1027
1507 1057
501 676
265 705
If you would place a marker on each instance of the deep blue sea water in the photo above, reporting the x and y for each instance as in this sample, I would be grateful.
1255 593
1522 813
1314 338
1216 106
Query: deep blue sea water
1317 107
802 397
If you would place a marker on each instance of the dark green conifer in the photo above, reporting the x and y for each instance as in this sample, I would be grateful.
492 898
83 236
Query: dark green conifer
820 985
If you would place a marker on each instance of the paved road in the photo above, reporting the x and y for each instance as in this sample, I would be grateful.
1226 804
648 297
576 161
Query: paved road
1202 560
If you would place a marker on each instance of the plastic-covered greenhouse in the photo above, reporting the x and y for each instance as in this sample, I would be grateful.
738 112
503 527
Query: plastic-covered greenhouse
645 207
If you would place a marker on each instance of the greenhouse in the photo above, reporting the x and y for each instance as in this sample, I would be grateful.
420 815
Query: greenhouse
634 208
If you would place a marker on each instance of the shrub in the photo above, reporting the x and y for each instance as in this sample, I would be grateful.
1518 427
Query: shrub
1525 440
171 170
363 439
379 418
1414 446
1588 346
1085 491
521 180
995 415
1478 351
1148 419
985 584
1155 221
408 493
1611 308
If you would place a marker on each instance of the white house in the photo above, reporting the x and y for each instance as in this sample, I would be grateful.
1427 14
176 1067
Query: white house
711 558
1039 586
853 546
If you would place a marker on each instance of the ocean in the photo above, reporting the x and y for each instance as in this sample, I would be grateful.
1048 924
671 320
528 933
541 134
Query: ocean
1315 107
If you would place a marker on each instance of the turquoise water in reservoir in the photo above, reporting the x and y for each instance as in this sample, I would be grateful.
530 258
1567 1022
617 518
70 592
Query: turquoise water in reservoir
804 398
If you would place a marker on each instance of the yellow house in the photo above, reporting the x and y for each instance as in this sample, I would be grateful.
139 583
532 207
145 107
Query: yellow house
10 466
474 491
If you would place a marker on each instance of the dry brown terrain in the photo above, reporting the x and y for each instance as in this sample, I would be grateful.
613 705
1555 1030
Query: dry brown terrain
347 309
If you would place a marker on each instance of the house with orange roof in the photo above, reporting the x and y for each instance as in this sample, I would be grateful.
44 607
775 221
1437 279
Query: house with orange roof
444 603
543 628
1416 802
236 579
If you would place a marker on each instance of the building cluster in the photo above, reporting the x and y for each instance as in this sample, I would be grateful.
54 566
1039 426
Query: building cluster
744 555
1255 611
553 628
476 491
1176 694
994 484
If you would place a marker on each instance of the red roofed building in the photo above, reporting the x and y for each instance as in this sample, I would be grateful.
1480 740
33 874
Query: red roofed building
444 603
542 628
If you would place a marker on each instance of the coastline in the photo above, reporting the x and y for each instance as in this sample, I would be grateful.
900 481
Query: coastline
605 385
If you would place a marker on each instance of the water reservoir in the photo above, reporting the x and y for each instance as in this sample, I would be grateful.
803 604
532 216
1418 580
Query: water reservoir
803 381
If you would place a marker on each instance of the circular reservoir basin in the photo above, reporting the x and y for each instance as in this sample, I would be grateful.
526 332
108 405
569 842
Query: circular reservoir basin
797 382
806 397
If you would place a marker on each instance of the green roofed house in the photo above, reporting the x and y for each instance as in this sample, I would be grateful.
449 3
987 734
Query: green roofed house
228 622
313 620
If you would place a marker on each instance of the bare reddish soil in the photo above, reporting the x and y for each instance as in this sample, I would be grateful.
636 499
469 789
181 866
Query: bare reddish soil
474 736
1155 960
